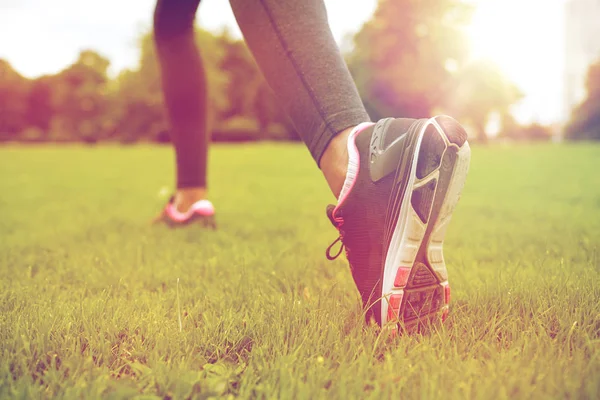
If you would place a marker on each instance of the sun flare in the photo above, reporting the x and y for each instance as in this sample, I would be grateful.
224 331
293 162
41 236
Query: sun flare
525 39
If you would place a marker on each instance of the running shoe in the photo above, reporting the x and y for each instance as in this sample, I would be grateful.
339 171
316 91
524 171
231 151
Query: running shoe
404 180
201 212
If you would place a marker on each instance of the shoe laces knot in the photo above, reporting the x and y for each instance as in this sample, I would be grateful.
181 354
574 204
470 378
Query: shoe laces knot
338 222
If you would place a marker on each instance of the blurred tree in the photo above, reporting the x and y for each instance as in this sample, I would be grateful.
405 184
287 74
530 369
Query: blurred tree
244 76
585 118
478 90
139 96
251 101
532 132
40 108
138 103
404 57
508 125
14 90
81 103
79 99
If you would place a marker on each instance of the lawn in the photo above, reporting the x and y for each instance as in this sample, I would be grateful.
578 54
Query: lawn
91 305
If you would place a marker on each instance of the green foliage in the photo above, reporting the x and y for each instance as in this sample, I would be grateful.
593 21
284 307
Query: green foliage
410 60
401 57
532 132
41 108
248 93
13 101
82 104
79 100
140 97
89 300
237 128
478 90
585 120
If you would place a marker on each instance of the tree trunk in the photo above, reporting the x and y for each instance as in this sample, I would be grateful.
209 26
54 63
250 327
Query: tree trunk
481 135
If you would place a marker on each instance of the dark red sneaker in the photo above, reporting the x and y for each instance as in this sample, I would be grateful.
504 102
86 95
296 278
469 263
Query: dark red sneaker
201 212
404 179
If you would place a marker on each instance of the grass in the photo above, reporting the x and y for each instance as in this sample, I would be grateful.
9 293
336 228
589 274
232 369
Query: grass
89 295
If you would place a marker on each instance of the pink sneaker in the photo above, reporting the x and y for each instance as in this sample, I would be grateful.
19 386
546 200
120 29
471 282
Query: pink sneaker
202 212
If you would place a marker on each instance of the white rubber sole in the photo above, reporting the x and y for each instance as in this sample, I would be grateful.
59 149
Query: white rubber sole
410 235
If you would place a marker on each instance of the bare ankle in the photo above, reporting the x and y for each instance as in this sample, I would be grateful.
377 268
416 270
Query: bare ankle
186 197
334 162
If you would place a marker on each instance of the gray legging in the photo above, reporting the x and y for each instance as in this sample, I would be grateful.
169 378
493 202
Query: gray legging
292 44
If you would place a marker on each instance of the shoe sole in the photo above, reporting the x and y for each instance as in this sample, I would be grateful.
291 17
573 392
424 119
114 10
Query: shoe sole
415 286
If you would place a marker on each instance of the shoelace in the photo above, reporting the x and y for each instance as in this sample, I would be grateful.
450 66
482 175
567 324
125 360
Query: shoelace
338 223
336 255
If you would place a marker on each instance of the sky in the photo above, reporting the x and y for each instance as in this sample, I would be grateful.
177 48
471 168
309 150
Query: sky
524 37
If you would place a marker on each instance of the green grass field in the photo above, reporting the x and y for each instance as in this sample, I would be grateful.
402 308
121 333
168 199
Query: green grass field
89 295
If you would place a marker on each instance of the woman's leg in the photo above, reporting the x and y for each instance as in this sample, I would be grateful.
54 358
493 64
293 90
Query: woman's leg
184 87
397 181
293 45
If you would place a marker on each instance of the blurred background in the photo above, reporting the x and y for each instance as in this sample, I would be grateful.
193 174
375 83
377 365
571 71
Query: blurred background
74 71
